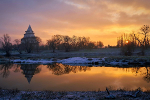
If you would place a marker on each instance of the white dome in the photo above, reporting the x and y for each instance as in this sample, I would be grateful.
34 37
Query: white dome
29 32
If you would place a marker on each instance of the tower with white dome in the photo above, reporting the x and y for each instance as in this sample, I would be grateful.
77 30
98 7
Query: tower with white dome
29 41
29 33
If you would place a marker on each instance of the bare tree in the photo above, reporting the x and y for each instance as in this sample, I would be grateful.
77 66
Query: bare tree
30 43
90 45
54 42
51 44
75 43
6 44
100 44
144 41
83 42
67 43
18 46
39 40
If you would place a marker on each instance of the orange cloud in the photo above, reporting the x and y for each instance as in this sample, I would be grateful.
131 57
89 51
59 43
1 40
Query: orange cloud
97 19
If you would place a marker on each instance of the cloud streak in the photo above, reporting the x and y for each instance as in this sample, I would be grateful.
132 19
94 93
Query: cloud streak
98 19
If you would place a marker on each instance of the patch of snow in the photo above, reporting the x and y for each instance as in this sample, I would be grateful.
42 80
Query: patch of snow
29 61
73 60
78 60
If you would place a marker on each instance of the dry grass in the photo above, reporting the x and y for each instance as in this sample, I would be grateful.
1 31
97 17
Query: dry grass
66 95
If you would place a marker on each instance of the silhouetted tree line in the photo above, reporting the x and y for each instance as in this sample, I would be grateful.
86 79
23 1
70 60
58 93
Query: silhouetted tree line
129 42
57 42
67 43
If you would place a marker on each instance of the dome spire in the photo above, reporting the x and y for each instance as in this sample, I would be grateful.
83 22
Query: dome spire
29 29
29 32
29 77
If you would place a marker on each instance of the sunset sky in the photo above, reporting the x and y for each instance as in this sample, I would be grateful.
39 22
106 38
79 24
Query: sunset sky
102 20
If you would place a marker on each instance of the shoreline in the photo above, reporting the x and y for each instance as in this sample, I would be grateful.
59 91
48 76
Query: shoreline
36 95
120 61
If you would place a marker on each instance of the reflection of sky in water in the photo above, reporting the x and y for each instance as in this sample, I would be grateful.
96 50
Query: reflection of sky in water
60 77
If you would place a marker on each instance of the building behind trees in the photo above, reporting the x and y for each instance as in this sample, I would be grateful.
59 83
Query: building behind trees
30 41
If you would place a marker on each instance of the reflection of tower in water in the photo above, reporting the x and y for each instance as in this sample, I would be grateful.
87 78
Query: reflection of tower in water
29 71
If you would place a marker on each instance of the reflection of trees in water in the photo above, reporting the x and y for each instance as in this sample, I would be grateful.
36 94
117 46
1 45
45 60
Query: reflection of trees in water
29 70
147 74
144 71
60 69
136 70
17 67
4 69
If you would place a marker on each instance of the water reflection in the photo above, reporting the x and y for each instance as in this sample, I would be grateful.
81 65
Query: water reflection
143 71
147 74
4 70
29 70
60 69
72 78
17 68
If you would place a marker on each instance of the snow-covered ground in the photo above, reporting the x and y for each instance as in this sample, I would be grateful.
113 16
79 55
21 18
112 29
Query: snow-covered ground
72 60
83 61
75 95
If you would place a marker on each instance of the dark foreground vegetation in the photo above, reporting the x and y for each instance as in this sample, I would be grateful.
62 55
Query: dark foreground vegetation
74 95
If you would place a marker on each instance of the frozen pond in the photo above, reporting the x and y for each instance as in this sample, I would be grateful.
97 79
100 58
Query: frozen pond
60 77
